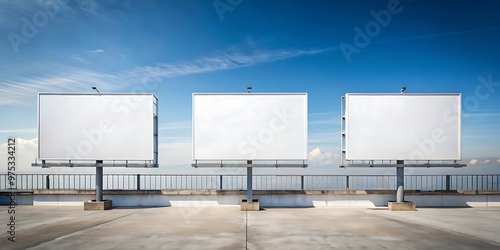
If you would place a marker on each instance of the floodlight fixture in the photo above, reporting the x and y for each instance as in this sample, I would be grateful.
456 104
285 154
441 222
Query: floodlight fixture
249 89
403 89
95 88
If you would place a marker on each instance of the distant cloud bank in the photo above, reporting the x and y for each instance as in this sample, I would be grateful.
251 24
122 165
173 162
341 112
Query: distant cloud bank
484 162
319 158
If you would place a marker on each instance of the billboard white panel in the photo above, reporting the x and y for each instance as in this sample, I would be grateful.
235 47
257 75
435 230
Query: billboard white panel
97 127
250 126
403 126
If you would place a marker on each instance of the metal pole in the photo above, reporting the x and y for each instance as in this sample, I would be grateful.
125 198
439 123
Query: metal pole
249 183
400 180
98 181
249 169
47 182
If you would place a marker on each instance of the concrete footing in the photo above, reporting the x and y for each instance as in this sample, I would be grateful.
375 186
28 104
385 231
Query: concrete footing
97 205
402 206
254 205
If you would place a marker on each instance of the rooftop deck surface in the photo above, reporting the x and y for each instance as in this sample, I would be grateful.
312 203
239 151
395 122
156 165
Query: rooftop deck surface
226 227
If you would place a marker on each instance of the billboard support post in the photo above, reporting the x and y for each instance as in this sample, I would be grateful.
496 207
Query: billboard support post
400 181
98 180
99 203
401 204
249 131
99 129
249 171
380 129
249 183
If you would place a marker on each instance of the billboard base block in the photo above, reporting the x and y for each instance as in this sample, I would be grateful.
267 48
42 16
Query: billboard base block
254 205
402 206
92 205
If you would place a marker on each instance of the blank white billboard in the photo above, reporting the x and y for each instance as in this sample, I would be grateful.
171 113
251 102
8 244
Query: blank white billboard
97 127
250 126
403 126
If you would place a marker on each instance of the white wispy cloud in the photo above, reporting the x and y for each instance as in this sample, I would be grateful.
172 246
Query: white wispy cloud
12 12
88 5
326 126
96 51
24 91
492 114
222 61
324 118
177 125
473 162
70 79
78 59
485 162
32 143
21 130
176 138
324 137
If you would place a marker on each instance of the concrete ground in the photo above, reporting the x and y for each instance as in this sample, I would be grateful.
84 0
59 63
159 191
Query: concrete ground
225 227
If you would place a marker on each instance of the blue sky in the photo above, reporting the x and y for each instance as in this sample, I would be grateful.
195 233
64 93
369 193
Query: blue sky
175 48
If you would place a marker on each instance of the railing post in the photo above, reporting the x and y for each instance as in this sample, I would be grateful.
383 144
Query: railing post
138 181
220 182
448 179
47 182
301 182
347 182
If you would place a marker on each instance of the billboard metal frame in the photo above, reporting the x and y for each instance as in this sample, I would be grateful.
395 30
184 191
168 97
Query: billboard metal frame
130 163
237 162
393 162
249 164
399 164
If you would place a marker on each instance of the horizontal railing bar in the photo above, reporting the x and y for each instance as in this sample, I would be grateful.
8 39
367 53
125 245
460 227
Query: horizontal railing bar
86 181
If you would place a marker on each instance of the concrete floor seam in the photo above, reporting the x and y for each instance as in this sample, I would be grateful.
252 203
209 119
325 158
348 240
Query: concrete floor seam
246 230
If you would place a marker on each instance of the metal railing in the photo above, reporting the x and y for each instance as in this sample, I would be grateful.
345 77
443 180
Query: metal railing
480 182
